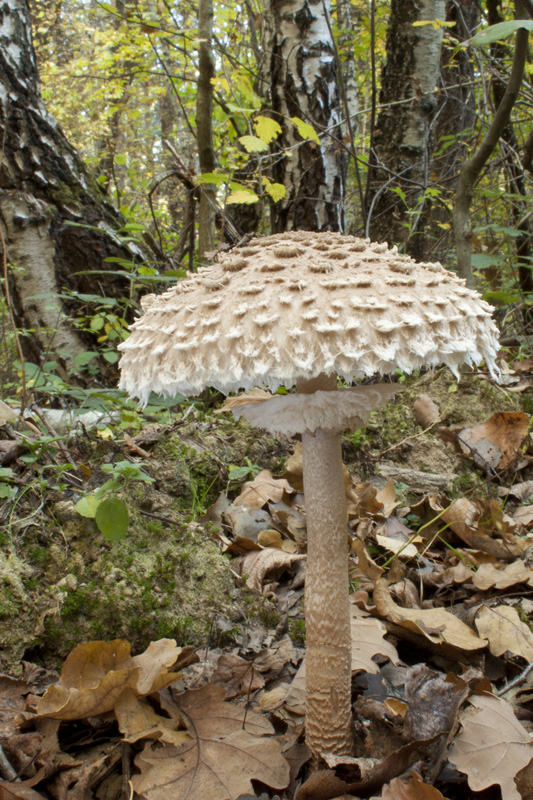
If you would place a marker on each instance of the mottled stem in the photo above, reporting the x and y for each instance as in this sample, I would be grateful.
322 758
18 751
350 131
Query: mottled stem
328 647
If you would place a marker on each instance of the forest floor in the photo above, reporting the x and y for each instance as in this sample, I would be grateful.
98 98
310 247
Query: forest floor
181 533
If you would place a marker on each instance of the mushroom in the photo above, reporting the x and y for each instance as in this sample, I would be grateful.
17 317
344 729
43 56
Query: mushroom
302 309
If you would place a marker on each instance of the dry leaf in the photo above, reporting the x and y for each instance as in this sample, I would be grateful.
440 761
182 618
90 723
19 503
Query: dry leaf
498 441
409 787
236 675
222 759
489 575
95 674
492 746
255 396
505 631
138 720
435 624
268 563
427 413
270 538
524 515
476 523
263 489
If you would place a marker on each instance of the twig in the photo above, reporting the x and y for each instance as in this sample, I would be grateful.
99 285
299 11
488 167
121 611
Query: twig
126 771
516 681
6 770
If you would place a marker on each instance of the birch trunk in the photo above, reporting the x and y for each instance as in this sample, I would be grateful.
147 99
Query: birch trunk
204 128
43 186
303 83
401 161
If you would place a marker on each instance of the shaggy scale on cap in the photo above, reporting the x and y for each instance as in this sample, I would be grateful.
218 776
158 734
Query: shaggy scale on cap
296 305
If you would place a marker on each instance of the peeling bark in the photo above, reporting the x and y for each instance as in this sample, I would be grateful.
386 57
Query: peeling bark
303 81
403 140
43 186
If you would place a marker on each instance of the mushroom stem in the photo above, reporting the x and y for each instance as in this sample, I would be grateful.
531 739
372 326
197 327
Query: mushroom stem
327 613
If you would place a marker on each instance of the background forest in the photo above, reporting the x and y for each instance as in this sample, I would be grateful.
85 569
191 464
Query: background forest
197 125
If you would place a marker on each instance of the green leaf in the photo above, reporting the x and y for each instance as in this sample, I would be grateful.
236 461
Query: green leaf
237 473
218 178
499 31
487 260
111 356
305 130
276 191
252 144
87 506
267 129
113 519
242 196
83 358
501 298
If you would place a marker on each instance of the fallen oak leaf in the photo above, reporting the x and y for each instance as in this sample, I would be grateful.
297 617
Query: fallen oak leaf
95 673
270 562
505 631
262 490
221 759
409 787
435 624
497 442
492 746
325 785
138 720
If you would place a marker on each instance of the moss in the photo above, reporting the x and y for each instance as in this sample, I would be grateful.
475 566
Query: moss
297 631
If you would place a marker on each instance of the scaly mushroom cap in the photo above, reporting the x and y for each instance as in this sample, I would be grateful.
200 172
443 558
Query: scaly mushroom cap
297 305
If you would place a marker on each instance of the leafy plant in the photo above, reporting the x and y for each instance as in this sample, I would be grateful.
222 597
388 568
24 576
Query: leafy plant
108 511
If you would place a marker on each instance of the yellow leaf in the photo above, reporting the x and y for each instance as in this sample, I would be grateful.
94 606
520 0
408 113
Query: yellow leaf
242 196
266 128
305 130
252 144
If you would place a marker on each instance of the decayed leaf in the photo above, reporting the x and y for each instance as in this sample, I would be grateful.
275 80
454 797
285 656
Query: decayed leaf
409 787
263 489
497 442
95 673
492 746
270 562
237 675
222 759
427 412
435 624
505 631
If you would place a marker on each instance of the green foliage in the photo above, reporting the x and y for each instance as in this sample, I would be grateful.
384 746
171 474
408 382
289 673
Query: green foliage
108 511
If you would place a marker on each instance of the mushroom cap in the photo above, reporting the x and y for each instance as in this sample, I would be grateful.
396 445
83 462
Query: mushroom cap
296 305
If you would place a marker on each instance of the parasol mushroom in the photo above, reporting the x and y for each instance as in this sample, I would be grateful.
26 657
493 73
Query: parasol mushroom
301 309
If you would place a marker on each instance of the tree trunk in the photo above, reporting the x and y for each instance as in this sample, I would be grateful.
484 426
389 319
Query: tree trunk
515 171
454 123
401 160
44 186
303 84
472 168
204 128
